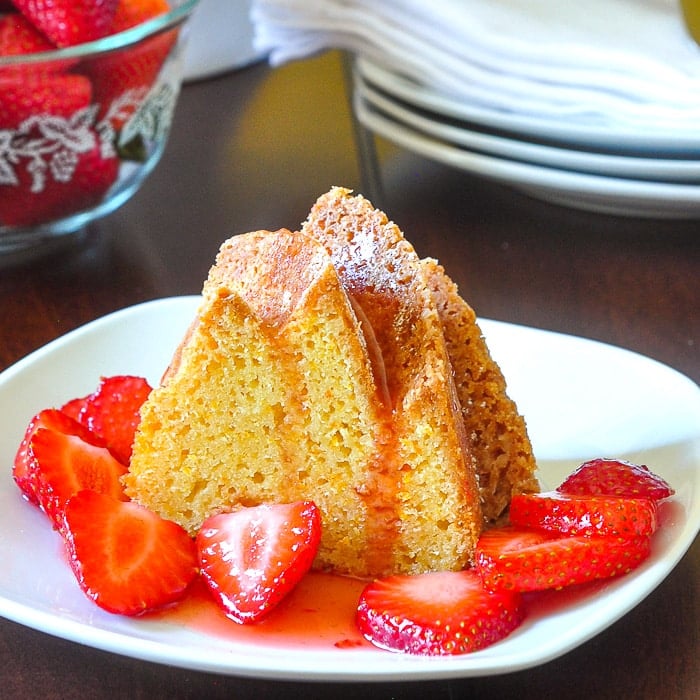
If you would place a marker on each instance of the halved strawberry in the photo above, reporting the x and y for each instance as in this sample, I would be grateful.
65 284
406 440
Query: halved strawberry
69 22
517 559
24 469
112 411
440 613
615 477
253 557
126 558
584 515
66 464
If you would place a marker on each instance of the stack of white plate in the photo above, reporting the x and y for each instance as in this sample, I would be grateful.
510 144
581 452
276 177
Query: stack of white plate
624 171
591 104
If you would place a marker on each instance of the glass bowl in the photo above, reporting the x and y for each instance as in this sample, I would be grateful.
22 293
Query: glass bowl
82 127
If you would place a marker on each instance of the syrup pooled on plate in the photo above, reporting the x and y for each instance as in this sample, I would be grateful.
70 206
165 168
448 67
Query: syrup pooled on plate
319 613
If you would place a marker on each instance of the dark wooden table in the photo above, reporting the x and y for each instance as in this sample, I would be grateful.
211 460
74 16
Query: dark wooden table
253 149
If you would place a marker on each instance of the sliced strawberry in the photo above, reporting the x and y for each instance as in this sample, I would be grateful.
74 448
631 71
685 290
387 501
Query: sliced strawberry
126 558
517 559
69 22
253 557
113 412
615 477
73 407
584 515
440 613
24 469
66 464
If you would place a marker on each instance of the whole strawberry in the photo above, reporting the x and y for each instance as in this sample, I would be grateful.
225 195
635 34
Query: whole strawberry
35 96
124 77
18 36
129 13
56 166
69 22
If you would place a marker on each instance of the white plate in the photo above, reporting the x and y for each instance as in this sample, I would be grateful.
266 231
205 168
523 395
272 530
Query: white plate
639 140
679 170
581 398
599 193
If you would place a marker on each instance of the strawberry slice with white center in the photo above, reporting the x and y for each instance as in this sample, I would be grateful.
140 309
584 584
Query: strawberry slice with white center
125 557
584 515
25 467
253 557
434 614
66 464
516 559
615 477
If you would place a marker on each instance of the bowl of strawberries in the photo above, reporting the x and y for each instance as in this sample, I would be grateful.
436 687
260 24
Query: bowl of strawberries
88 89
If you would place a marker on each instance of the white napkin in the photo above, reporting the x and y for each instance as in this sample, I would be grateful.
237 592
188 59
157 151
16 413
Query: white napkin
603 62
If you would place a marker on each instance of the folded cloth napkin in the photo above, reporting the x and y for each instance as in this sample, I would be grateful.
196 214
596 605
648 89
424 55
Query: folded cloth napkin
603 62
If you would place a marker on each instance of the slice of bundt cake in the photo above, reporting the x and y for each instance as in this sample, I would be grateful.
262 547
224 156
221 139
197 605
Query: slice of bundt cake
269 398
415 317
382 273
282 391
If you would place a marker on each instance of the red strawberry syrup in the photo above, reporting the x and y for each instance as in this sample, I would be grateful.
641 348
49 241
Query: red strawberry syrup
319 613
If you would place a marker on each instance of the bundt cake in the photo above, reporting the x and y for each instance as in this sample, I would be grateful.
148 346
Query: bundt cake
321 366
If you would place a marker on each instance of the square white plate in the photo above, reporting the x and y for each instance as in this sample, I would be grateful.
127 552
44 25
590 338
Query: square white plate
582 399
